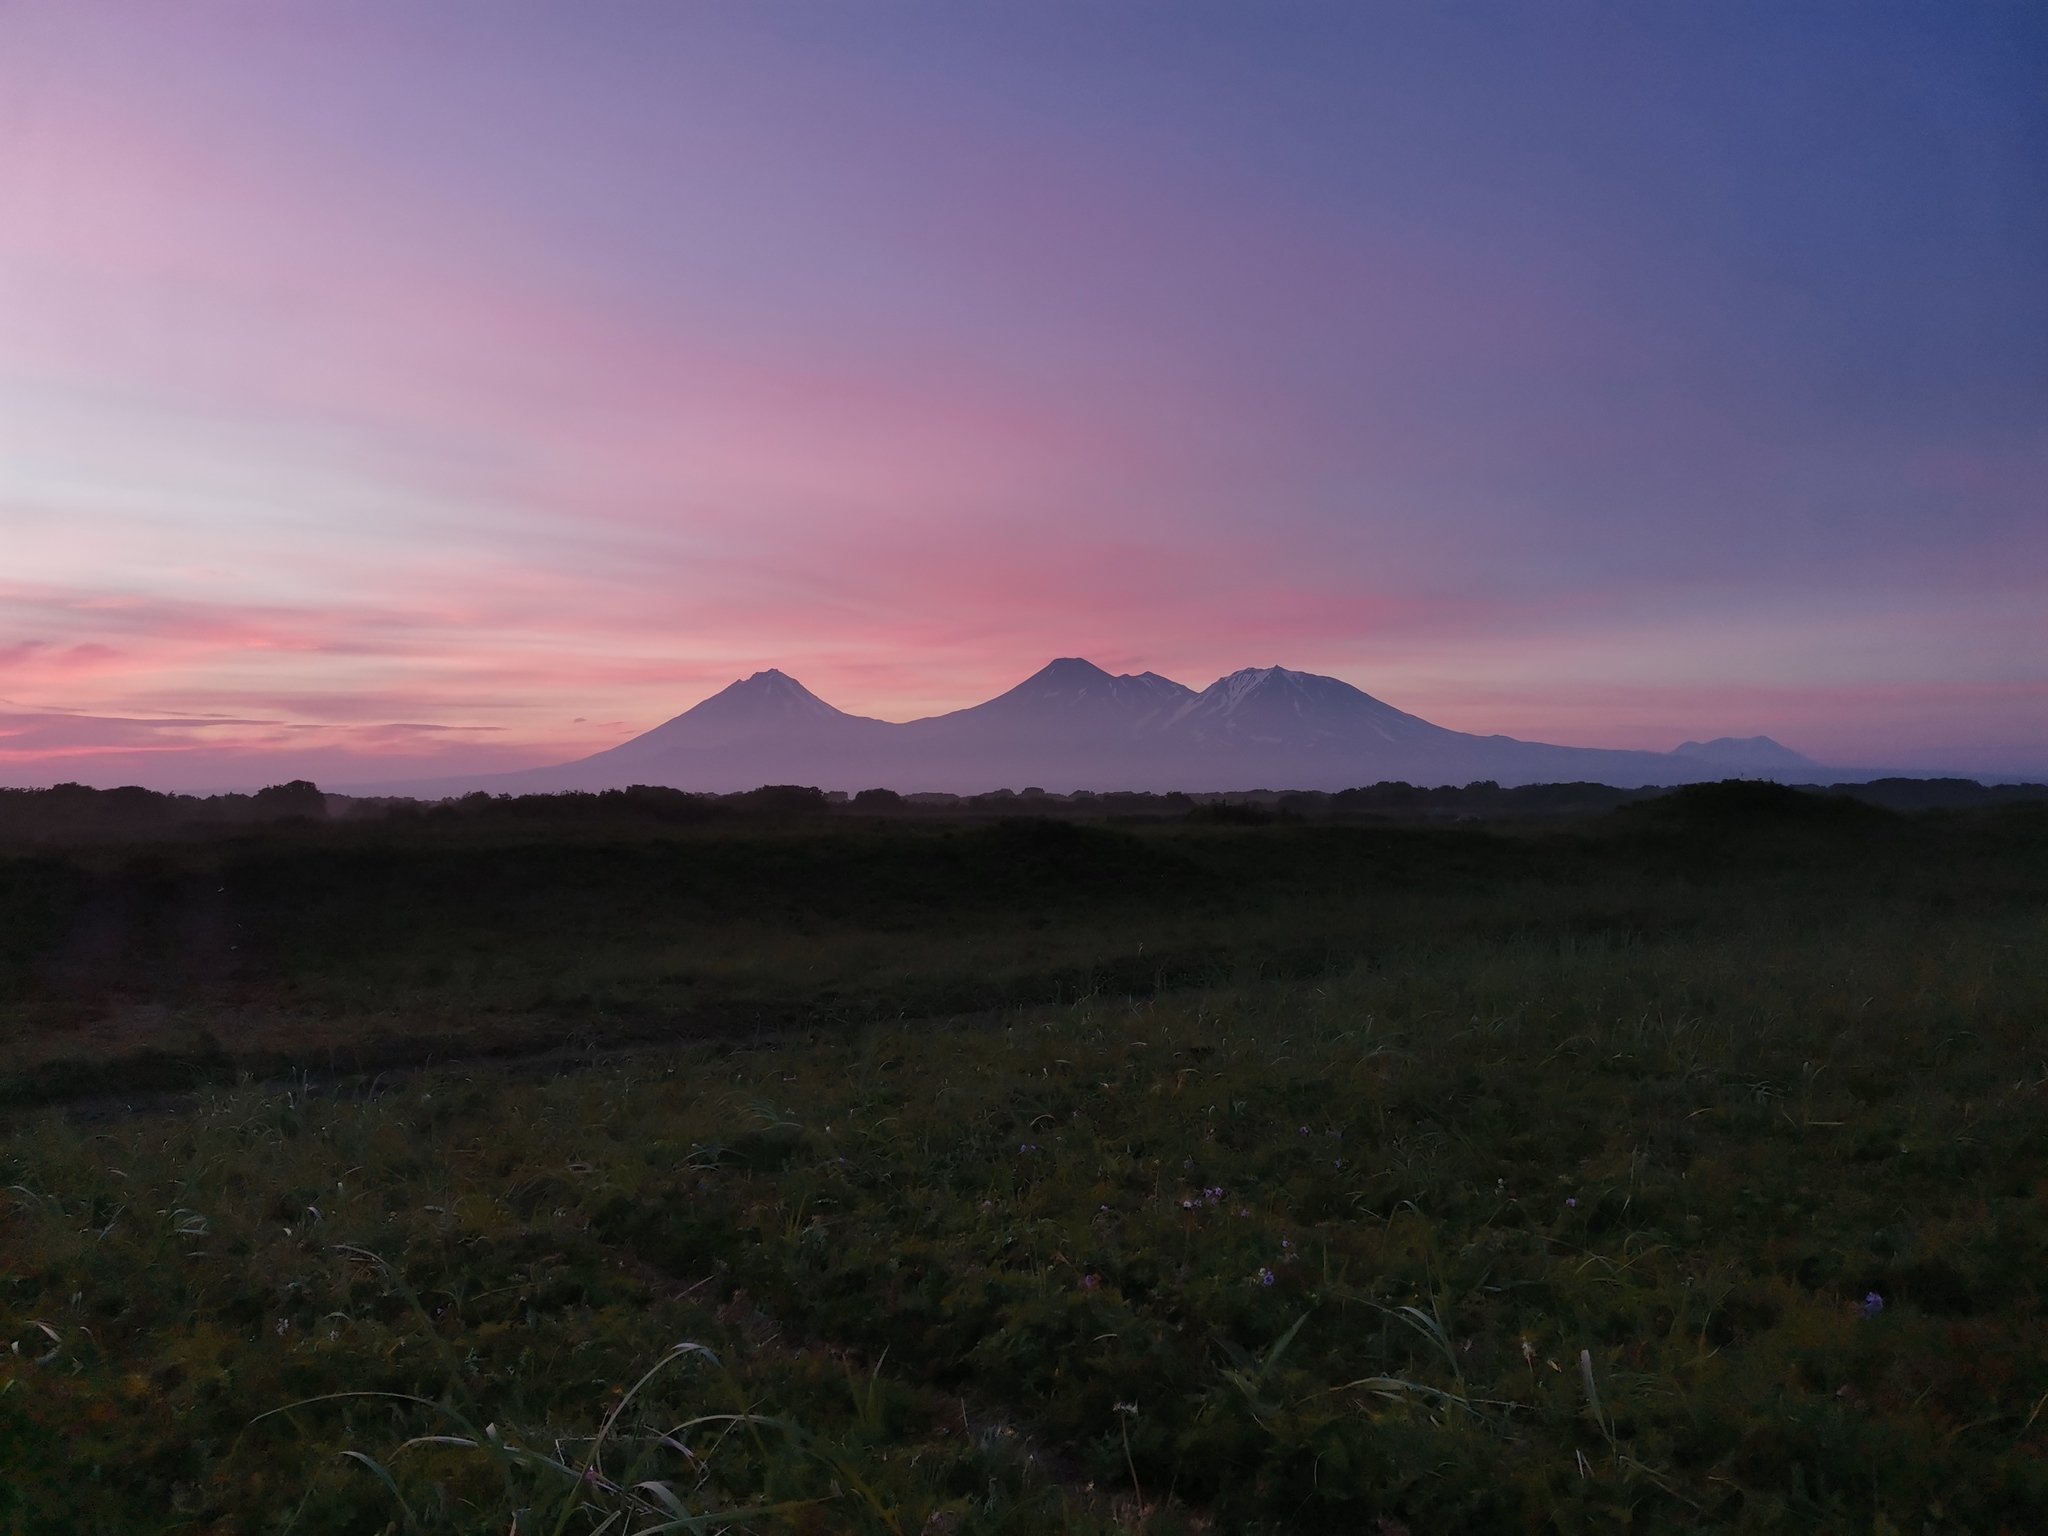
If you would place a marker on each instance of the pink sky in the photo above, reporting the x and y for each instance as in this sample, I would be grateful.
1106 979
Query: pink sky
382 395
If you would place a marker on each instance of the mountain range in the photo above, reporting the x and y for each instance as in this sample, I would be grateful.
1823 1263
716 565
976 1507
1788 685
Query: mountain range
1073 726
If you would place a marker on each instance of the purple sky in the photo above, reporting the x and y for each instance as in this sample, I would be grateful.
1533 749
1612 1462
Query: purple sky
388 388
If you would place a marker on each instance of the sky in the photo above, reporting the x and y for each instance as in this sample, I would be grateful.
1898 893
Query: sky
391 389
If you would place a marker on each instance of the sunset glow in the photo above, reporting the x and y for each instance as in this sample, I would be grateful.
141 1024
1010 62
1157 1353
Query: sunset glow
388 390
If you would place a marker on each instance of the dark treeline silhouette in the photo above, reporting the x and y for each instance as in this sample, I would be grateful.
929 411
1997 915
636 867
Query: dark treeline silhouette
68 812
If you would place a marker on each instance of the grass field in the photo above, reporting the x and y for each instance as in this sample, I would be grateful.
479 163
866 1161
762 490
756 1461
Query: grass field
1680 1168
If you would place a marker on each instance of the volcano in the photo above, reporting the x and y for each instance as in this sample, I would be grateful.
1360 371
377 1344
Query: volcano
1074 726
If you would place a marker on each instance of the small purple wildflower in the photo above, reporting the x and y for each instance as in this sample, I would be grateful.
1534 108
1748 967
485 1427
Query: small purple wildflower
1265 1277
1027 1147
1572 1201
1304 1130
1872 1304
1091 1282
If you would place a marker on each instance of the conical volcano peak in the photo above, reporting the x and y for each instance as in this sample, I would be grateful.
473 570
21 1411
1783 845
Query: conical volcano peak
1069 669
768 705
1247 680
1070 696
773 692
1279 706
1270 683
1075 675
767 680
1067 675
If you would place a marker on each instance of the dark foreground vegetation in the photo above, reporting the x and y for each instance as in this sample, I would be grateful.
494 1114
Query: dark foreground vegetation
1678 1167
74 813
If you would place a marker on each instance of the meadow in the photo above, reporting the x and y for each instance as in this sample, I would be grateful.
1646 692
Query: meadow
1681 1167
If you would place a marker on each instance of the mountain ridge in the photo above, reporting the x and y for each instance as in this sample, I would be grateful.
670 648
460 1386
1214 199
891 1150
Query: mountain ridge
1074 725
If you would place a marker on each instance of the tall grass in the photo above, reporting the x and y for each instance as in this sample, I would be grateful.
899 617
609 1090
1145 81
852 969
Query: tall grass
340 949
1502 1230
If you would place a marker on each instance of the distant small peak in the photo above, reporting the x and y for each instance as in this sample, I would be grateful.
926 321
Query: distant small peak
1742 749
1734 741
